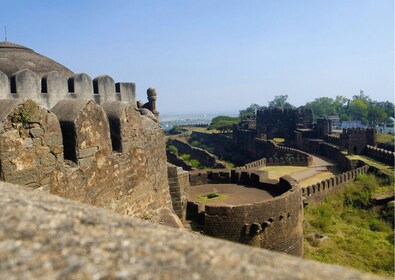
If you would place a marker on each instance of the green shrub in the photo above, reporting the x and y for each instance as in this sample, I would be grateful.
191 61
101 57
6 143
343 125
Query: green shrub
195 163
195 143
172 149
185 157
359 194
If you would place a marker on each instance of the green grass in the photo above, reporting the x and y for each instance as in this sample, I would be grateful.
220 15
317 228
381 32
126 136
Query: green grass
359 236
385 138
387 169
211 196
279 140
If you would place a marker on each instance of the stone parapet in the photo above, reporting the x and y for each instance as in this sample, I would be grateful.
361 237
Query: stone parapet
317 192
70 240
53 87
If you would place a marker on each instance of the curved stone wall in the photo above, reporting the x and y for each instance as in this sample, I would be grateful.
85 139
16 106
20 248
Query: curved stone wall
275 224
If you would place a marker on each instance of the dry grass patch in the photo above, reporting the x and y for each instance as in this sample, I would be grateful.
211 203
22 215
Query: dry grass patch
275 172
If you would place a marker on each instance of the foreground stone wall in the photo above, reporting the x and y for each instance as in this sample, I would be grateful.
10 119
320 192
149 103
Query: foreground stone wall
31 147
47 237
109 156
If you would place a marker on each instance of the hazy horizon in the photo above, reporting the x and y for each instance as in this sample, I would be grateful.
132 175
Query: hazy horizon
217 56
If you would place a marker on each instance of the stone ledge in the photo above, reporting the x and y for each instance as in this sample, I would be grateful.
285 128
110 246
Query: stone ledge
47 237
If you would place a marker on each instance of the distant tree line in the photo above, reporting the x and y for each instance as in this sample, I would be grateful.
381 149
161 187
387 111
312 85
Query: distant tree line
361 107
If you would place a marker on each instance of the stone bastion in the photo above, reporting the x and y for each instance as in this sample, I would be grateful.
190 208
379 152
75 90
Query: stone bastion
95 144
248 209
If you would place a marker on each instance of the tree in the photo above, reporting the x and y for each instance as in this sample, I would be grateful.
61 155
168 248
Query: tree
376 115
322 106
358 110
280 101
223 123
250 111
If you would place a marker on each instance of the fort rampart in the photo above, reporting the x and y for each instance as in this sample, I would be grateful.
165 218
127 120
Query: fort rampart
179 186
110 155
205 158
275 224
381 155
317 192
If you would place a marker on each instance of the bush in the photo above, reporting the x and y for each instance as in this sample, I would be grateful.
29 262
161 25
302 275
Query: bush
186 157
172 149
359 194
176 130
195 143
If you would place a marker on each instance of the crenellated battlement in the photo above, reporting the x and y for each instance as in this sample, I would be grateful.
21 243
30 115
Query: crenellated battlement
114 152
53 87
317 192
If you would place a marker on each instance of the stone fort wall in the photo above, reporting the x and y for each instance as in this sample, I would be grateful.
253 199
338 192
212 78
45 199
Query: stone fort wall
204 157
317 192
276 224
384 156
110 155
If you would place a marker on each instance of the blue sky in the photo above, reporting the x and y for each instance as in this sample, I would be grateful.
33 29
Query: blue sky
217 56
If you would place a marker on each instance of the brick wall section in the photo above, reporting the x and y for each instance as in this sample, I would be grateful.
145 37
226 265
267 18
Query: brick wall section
276 224
384 156
317 192
179 186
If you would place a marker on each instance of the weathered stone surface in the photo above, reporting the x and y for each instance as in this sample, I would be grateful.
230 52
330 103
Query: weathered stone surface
55 86
27 153
47 237
104 88
5 91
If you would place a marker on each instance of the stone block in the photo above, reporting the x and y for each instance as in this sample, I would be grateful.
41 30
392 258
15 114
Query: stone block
5 90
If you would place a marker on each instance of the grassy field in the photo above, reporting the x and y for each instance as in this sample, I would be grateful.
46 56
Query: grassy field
385 138
275 172
358 235
384 168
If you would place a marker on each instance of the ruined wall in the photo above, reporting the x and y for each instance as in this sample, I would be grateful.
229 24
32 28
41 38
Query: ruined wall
317 192
107 155
275 224
179 186
384 156
205 158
